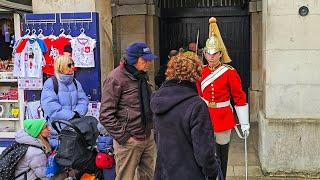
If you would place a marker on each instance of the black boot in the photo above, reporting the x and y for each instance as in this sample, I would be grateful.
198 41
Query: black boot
222 153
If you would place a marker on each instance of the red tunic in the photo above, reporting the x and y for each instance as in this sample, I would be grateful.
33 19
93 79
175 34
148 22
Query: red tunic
220 90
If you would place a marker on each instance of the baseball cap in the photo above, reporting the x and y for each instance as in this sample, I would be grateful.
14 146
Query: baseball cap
139 49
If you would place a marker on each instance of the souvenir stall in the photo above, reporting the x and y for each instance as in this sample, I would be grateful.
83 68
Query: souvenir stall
10 96
30 62
51 33
9 103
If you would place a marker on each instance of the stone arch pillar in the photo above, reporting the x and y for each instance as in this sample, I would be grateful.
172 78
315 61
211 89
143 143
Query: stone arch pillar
132 21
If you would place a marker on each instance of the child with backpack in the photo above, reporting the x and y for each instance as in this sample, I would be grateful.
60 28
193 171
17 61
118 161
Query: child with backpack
27 157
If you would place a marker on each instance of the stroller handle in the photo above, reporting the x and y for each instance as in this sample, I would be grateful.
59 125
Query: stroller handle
67 123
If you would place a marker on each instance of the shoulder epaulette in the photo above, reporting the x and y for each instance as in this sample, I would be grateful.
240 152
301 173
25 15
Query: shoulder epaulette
229 66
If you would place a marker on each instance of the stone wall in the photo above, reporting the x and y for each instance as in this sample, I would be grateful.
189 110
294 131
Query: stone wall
61 6
135 21
290 117
255 93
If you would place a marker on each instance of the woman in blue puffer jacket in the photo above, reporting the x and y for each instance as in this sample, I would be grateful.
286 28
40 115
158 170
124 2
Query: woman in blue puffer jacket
70 102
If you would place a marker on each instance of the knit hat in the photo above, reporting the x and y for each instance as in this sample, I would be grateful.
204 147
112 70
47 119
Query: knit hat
139 49
33 126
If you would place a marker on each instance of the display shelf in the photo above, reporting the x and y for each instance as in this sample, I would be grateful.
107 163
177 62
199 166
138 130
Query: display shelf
8 80
9 119
8 101
7 134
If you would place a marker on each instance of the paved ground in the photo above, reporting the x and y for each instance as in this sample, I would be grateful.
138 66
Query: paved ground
236 169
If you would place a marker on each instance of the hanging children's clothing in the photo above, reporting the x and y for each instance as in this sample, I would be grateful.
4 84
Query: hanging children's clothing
59 44
82 51
56 46
28 57
36 54
50 55
31 61
16 56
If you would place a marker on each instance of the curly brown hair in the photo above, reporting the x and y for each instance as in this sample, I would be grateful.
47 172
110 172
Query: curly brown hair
184 67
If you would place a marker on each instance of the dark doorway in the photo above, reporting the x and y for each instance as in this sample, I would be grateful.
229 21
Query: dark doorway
181 19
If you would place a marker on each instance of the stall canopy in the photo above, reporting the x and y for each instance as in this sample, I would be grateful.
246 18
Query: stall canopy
15 5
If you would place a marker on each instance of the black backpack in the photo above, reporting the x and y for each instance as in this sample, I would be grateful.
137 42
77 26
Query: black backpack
77 141
9 159
56 84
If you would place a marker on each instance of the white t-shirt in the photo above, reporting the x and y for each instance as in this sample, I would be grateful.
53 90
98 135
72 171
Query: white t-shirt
82 51
16 64
31 60
16 60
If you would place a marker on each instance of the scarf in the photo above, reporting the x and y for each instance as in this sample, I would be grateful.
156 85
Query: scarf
144 92
66 78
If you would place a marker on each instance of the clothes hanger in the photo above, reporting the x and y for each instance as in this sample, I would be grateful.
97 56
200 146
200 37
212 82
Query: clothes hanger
52 36
82 33
33 35
69 31
40 35
62 33
27 35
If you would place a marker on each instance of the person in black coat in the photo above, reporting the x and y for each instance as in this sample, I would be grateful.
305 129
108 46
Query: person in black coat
160 77
183 129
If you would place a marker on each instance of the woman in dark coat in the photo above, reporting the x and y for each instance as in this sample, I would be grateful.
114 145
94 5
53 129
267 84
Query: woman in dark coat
184 134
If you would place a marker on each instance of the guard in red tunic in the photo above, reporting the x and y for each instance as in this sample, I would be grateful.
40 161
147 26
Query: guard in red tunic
219 83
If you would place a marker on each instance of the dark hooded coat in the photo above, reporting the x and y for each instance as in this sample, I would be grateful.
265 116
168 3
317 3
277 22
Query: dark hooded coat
184 134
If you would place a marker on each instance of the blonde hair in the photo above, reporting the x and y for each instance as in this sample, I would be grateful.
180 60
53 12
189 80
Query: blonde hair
61 63
184 67
45 144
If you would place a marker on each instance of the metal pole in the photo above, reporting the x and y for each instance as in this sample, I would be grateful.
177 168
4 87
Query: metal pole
197 42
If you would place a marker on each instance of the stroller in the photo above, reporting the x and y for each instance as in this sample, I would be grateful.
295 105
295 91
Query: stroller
77 145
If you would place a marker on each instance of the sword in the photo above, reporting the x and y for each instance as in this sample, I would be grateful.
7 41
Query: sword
245 136
246 154
197 42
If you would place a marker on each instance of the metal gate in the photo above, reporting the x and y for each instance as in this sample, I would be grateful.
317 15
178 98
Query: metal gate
181 19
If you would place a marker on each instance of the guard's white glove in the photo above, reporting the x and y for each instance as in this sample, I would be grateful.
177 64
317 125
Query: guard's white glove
245 129
243 116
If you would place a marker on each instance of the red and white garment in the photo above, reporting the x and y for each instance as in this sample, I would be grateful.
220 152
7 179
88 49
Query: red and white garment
16 56
28 57
55 49
59 44
31 61
82 51
49 56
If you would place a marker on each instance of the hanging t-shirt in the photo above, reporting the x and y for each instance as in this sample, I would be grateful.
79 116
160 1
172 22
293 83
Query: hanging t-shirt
82 51
50 56
20 47
42 45
58 46
31 61
16 57
55 47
